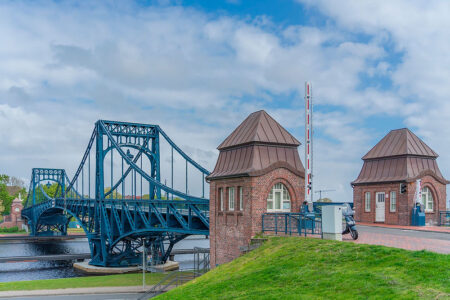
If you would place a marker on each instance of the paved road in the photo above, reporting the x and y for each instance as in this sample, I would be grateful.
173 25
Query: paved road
401 238
404 232
83 297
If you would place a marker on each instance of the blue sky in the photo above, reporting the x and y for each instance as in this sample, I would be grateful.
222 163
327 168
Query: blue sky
198 68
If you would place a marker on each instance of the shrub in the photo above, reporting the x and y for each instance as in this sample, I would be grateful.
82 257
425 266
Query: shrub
9 230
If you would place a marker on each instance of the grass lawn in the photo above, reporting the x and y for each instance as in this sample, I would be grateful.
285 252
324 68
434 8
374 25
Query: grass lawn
14 233
75 230
78 282
299 268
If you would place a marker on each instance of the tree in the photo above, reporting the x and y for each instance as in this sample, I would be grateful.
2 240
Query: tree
4 179
114 195
5 197
328 200
14 181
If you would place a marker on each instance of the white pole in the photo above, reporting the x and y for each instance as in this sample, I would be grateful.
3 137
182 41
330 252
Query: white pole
308 145
144 267
419 192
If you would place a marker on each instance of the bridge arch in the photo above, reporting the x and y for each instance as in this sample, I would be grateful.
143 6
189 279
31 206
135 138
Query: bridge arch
63 210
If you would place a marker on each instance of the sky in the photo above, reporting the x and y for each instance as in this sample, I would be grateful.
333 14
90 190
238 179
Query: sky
198 68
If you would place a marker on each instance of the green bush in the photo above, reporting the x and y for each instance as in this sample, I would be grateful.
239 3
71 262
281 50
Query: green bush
10 230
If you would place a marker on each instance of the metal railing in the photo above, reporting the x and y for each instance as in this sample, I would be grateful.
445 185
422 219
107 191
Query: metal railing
292 223
172 279
201 260
177 278
444 218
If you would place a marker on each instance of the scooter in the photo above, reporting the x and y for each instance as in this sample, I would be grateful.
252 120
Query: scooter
350 224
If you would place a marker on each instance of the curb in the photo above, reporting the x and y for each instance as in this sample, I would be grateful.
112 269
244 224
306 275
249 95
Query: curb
411 229
78 291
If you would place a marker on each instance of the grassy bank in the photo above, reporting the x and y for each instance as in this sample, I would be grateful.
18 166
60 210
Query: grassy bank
75 230
293 268
79 282
12 230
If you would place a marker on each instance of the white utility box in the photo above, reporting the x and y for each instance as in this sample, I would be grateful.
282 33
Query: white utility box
332 222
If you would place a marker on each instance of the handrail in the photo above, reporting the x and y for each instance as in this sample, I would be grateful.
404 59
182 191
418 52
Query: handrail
292 223
177 277
444 214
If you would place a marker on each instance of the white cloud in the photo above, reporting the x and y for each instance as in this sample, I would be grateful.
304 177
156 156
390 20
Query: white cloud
65 65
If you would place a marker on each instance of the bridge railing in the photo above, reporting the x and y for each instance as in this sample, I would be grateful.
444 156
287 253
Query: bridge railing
292 223
444 218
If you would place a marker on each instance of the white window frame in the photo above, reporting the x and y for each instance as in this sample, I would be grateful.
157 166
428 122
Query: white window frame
221 198
393 201
427 199
231 198
241 198
367 201
285 198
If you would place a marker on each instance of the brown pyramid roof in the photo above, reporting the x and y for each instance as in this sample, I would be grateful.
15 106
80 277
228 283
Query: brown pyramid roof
257 146
400 156
400 142
259 127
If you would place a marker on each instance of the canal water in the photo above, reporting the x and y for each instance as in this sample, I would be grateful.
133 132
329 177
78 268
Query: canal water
18 271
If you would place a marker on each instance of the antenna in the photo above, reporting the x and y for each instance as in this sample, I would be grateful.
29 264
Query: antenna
308 144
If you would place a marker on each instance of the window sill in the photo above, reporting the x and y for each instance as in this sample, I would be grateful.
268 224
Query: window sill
232 213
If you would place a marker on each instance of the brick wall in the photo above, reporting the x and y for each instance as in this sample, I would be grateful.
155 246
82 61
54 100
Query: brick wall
14 219
405 202
230 230
439 192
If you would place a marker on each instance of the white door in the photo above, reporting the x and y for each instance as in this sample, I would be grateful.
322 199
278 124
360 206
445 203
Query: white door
379 210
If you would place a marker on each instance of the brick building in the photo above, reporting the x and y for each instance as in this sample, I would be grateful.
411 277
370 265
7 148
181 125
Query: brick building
258 170
399 158
14 218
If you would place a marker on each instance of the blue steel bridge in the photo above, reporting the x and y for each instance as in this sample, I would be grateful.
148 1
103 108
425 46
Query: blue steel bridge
118 198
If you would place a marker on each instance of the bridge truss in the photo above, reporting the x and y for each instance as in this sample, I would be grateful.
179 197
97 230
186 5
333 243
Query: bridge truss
119 198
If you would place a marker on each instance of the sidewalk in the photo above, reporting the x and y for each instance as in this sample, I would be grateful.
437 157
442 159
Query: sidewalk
78 291
441 229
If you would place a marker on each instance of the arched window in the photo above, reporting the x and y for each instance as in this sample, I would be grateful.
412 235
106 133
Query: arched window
427 199
279 199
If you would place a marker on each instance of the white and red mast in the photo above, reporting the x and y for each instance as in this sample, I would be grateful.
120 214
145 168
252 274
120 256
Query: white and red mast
308 145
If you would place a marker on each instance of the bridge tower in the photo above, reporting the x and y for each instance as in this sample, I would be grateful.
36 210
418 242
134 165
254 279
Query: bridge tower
258 170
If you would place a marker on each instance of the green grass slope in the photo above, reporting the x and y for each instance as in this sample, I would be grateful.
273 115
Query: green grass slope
299 268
